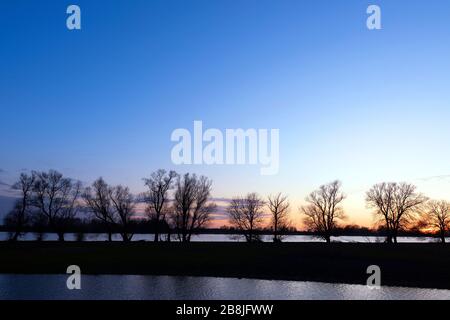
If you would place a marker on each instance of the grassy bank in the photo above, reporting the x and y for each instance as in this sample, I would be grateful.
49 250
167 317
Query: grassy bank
413 265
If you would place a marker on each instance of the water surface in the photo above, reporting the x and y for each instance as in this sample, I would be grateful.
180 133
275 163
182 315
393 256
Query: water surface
222 238
135 287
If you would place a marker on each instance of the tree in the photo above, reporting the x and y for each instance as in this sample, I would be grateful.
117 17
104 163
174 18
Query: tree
437 216
124 204
246 215
19 216
192 207
98 201
39 223
16 220
55 197
397 204
159 184
279 211
324 210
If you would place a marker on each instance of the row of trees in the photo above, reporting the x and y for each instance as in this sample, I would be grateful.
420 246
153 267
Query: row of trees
50 200
397 206
183 205
247 215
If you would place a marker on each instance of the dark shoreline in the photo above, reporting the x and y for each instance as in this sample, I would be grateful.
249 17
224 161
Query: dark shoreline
408 265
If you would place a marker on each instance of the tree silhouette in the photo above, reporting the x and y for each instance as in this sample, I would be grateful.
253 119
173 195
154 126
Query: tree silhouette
323 210
191 208
159 184
19 216
437 216
55 197
397 204
124 204
98 201
246 215
278 206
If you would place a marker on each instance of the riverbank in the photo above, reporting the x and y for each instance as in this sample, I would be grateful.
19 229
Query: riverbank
409 265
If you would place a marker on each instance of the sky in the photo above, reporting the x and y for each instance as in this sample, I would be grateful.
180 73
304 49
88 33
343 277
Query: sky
362 106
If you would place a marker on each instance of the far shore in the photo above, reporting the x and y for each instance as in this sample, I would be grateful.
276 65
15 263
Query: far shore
424 265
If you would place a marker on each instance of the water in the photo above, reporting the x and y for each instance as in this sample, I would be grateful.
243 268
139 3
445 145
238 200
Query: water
222 238
134 287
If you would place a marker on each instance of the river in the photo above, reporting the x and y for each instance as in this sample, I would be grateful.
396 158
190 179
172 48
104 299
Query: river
222 238
135 287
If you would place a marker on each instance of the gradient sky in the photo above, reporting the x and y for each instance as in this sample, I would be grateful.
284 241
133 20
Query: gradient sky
351 104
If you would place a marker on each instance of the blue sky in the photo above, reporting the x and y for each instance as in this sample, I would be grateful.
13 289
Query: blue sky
351 104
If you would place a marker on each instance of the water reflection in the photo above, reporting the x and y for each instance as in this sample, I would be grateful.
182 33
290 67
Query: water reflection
45 287
222 238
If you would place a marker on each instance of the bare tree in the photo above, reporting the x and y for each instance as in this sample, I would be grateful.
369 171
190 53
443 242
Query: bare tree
16 220
67 217
192 207
124 204
324 210
55 197
98 201
246 215
279 210
159 184
20 214
397 204
381 197
39 224
437 216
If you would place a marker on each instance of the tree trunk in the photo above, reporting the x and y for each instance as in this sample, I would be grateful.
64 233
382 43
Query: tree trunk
389 238
15 237
395 237
40 237
156 239
275 234
125 237
109 231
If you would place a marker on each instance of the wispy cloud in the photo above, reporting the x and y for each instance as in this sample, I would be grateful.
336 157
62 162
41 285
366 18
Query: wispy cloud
6 190
4 184
441 177
227 200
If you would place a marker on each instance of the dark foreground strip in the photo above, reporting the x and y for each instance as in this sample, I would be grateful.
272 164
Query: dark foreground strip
402 265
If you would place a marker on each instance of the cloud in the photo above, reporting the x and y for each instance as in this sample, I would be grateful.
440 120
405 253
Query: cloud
4 184
7 190
441 177
6 204
226 200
